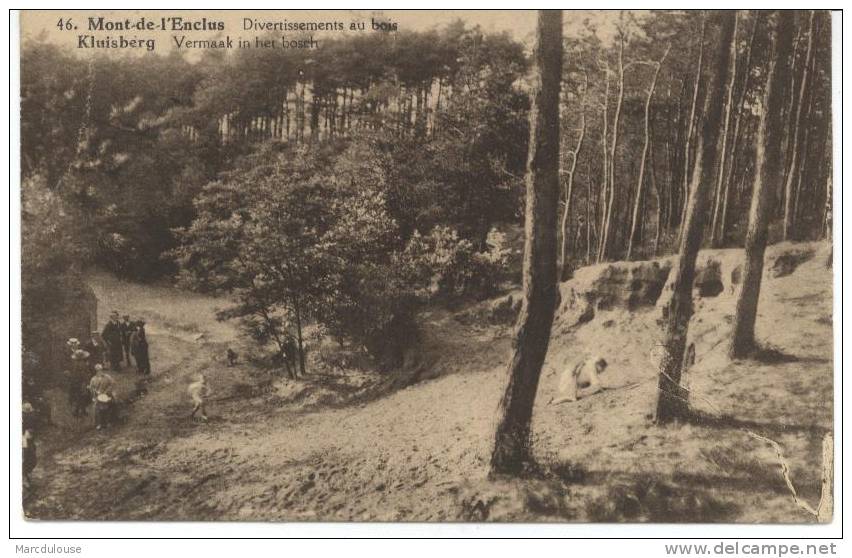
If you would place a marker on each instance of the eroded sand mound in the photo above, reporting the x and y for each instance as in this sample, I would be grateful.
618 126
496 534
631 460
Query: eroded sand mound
378 450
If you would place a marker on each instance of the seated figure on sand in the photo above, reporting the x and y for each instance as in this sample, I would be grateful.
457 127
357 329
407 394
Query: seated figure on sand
581 380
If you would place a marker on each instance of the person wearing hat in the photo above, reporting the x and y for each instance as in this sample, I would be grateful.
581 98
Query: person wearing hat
96 349
139 348
78 377
127 329
112 337
102 388
71 346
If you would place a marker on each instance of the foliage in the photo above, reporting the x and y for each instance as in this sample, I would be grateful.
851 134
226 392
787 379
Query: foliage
454 268
53 250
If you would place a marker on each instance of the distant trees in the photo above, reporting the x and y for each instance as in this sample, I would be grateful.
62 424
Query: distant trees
608 181
450 103
128 144
768 169
131 141
532 335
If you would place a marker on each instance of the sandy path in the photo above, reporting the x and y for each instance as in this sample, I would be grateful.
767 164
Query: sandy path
420 453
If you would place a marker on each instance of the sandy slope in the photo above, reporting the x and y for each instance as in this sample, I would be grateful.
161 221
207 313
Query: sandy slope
339 446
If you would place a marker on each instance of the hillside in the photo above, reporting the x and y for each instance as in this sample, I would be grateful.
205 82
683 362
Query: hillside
346 444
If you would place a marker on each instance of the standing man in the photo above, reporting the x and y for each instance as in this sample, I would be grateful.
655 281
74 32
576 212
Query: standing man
78 378
112 337
126 331
139 348
95 348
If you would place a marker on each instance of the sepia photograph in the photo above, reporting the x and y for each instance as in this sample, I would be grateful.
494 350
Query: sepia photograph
432 266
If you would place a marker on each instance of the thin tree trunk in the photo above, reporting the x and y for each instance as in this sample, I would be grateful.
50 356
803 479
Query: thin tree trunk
638 201
691 127
675 157
791 103
569 191
729 101
788 185
671 402
616 120
589 214
732 167
512 438
659 198
826 212
769 163
605 186
299 341
805 146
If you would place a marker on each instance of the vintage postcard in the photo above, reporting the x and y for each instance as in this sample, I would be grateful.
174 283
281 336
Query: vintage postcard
427 266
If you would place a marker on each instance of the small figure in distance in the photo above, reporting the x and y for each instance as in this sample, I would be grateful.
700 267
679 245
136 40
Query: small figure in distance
198 392
232 357
582 380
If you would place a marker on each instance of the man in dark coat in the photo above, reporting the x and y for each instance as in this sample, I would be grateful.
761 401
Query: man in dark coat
112 337
139 348
96 349
78 378
127 329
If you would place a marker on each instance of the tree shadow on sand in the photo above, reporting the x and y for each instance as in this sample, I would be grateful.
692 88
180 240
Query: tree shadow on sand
769 354
763 428
615 496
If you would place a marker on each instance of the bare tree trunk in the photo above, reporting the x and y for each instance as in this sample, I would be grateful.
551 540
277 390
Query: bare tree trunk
589 214
720 178
638 201
691 127
512 438
732 167
769 163
659 198
806 142
671 402
616 120
569 191
300 346
788 185
605 186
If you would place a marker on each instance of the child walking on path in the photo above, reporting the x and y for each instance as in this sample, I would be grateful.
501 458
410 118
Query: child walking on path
199 391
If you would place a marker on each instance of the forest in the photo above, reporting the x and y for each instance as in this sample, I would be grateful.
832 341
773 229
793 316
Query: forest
339 193
424 135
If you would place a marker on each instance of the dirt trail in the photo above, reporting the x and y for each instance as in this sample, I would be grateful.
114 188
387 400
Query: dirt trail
420 453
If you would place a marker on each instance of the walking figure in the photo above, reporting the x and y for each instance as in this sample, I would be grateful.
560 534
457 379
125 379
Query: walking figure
199 391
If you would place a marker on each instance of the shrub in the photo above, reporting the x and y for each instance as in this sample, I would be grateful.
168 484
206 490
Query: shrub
454 268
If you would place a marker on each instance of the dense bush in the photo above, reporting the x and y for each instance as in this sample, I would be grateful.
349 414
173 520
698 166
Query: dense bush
454 268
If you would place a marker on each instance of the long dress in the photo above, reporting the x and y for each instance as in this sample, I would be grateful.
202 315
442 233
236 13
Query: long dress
139 349
112 337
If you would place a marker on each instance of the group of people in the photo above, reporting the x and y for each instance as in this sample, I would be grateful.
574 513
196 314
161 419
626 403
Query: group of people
88 381
125 338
